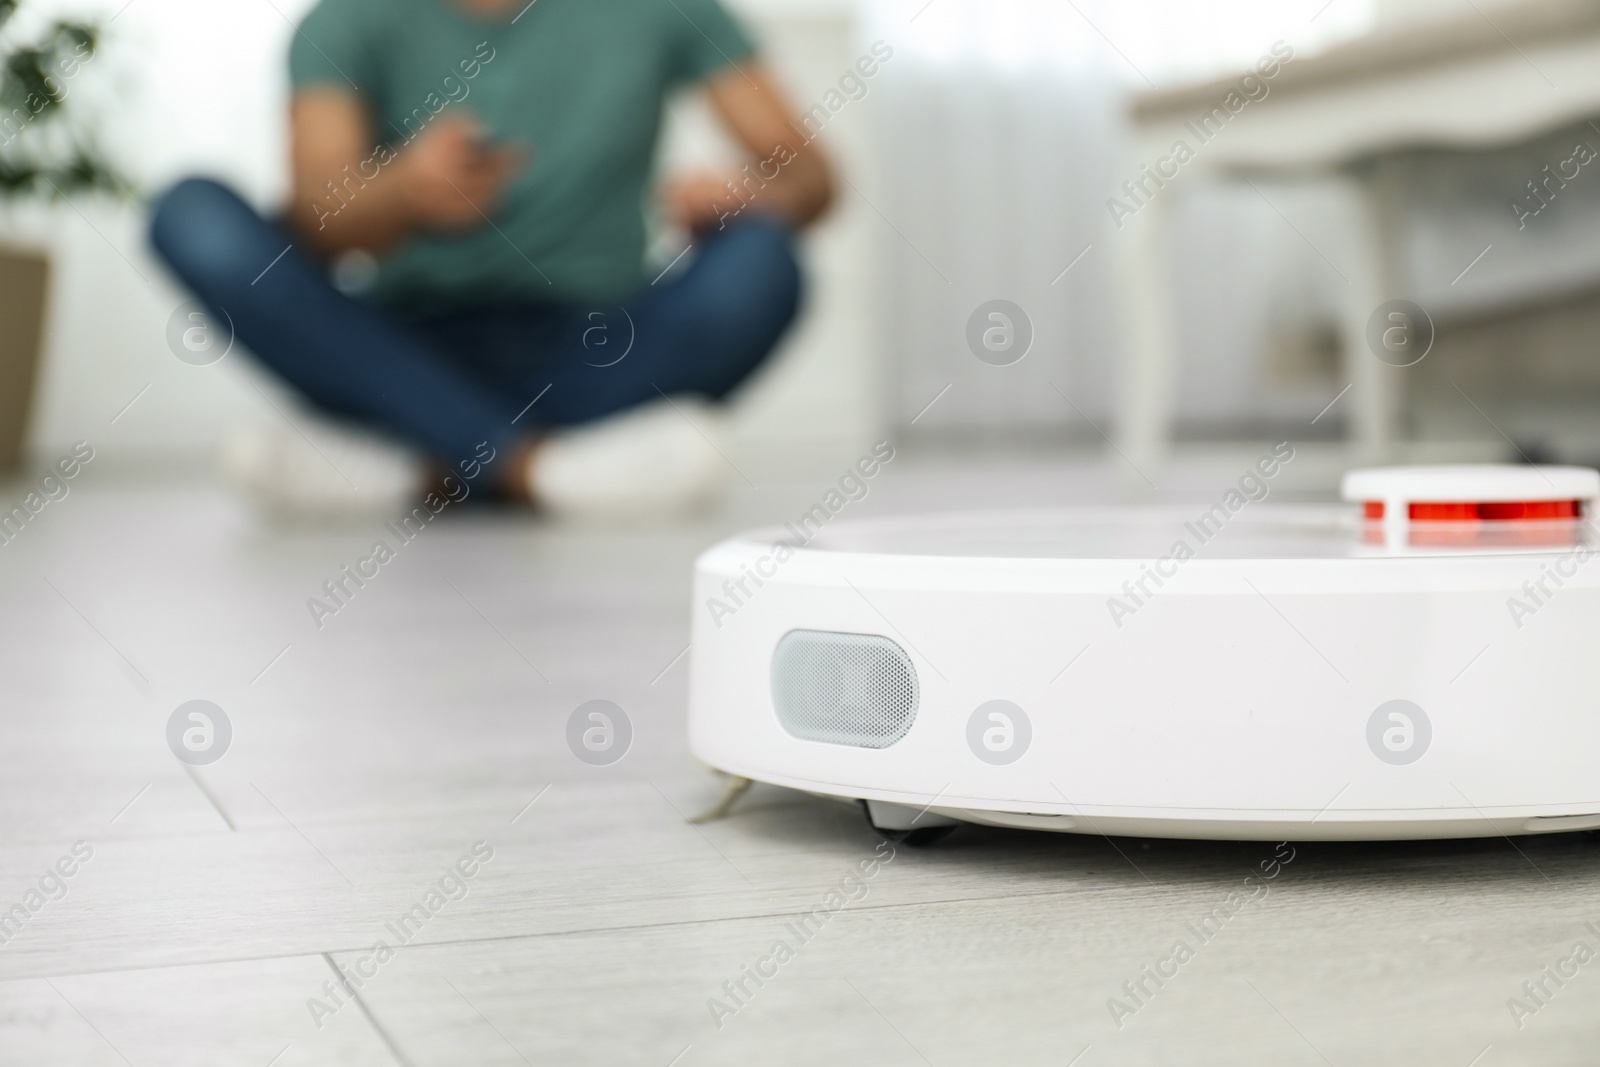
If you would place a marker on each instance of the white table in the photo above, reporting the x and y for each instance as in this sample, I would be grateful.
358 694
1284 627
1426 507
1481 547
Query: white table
1487 80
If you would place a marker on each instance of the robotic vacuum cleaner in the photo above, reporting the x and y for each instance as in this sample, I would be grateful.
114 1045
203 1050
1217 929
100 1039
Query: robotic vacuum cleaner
1420 662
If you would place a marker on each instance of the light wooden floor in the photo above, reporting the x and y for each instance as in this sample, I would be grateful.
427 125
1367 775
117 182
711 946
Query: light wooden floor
370 755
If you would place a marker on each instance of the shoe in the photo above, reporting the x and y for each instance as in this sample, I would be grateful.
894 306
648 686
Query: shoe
312 469
660 459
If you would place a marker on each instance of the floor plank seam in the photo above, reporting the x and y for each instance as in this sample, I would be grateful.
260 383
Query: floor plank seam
580 932
366 1012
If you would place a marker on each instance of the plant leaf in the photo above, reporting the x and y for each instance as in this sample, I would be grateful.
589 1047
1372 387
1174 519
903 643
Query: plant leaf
33 92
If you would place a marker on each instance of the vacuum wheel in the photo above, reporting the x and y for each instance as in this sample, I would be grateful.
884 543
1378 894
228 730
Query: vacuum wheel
914 838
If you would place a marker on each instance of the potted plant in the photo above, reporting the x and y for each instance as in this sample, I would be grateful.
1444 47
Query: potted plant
46 153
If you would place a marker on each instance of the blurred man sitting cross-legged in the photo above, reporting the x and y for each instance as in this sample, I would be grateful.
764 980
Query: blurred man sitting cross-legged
494 158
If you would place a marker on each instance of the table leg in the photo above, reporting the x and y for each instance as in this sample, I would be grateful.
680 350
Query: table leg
1149 358
1377 387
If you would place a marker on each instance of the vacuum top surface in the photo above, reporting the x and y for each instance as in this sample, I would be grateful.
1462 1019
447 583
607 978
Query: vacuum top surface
1480 482
1259 531
1448 511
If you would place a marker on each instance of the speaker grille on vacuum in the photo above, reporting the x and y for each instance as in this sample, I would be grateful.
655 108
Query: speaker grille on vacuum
843 689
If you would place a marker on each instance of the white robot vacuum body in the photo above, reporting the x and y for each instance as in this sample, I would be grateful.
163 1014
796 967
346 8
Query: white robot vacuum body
1419 663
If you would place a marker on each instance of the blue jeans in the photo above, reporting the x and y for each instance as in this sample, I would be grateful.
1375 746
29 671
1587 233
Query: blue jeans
499 374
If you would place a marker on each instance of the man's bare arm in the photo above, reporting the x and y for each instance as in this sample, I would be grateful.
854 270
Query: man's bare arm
792 177
350 192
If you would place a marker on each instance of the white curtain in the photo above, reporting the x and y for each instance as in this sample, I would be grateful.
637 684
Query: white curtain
1001 134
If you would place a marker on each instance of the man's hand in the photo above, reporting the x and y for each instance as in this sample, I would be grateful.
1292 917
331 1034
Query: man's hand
447 178
699 201
451 176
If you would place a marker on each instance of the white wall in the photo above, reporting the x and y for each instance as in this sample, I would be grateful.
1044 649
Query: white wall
196 87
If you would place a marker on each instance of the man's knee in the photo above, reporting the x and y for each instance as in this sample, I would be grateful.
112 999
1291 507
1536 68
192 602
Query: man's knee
763 269
765 248
205 232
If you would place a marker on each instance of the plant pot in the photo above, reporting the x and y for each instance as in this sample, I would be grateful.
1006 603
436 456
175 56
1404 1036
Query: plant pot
23 278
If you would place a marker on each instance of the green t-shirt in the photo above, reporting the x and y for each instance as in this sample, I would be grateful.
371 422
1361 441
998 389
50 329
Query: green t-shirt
578 84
